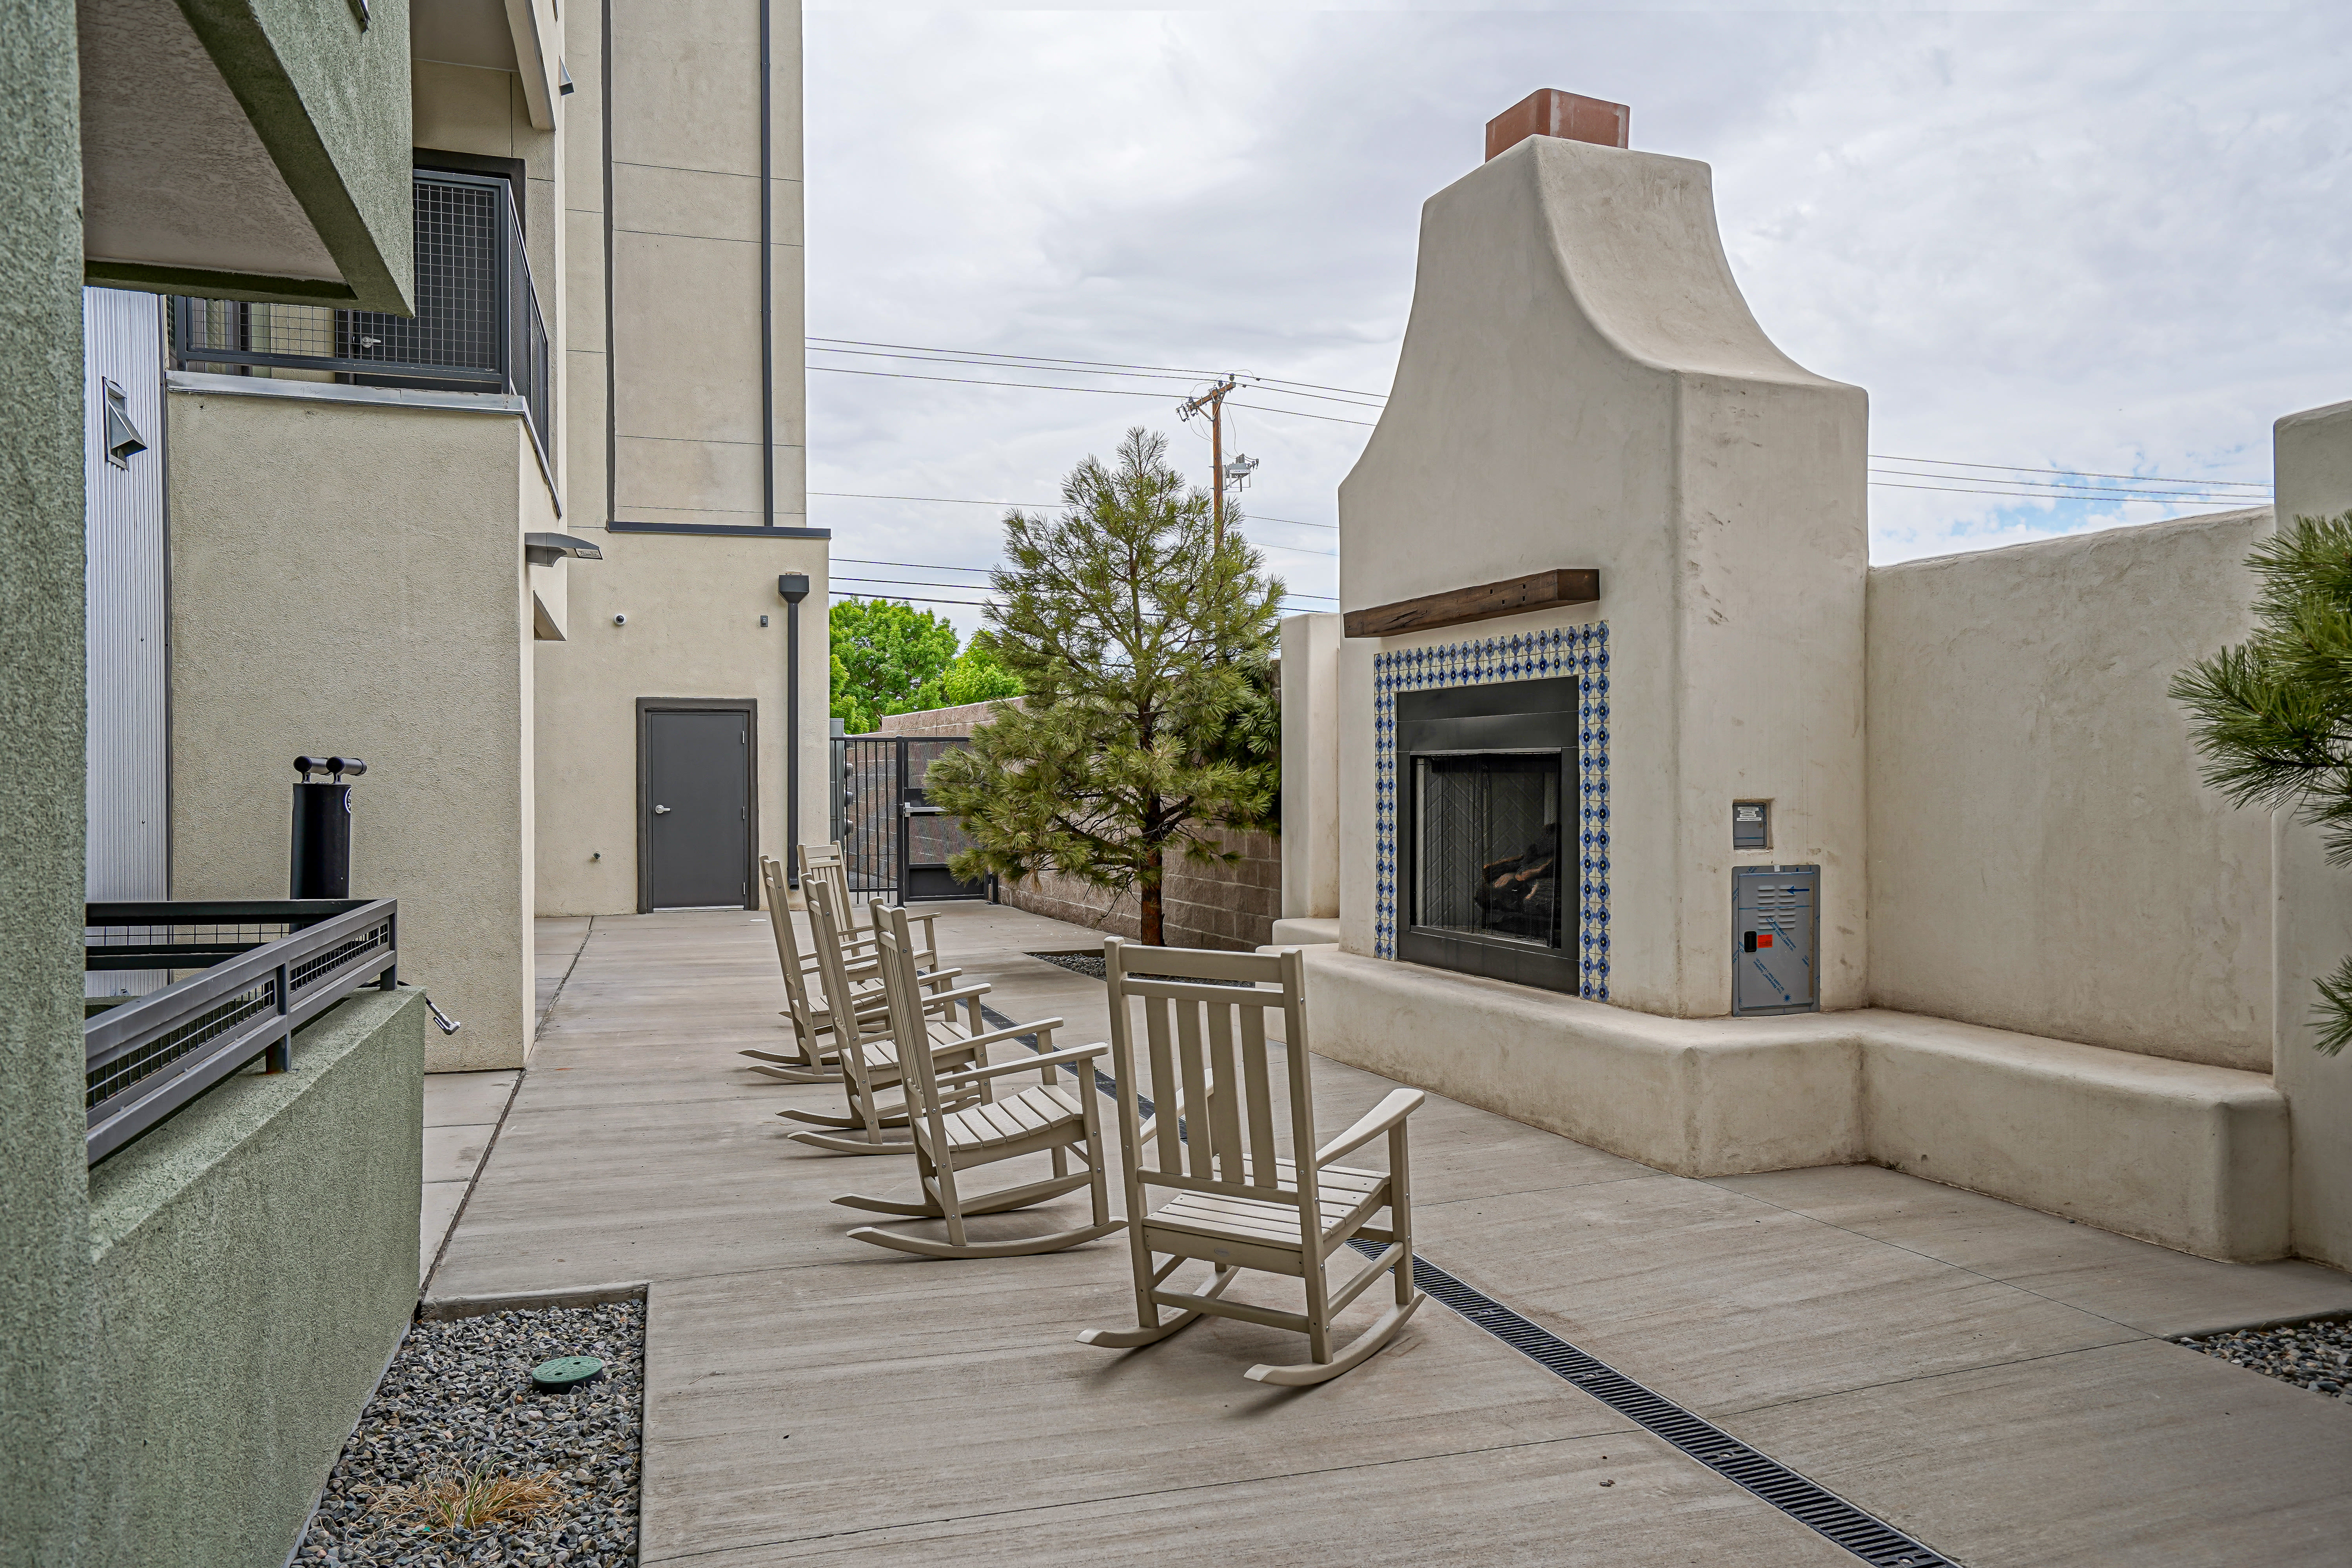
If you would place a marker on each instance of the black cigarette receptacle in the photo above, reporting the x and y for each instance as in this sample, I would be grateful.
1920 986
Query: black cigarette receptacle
321 858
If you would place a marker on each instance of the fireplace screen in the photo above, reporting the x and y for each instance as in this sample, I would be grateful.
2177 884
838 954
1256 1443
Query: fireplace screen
1487 845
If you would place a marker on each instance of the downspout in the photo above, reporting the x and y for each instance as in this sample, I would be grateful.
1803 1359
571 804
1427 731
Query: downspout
604 118
768 295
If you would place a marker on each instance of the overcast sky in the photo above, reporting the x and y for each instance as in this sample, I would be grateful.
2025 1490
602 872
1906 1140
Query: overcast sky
2099 241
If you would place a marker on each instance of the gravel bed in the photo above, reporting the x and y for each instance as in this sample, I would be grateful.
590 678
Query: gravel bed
1086 963
458 1398
2317 1355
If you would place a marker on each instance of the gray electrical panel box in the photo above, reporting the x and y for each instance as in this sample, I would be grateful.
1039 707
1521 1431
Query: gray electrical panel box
1751 825
1776 931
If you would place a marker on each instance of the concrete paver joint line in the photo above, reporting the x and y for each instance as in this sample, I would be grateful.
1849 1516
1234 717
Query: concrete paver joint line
1807 1502
557 995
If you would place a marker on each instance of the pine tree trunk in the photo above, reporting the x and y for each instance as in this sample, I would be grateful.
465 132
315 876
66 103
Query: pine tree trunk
1148 905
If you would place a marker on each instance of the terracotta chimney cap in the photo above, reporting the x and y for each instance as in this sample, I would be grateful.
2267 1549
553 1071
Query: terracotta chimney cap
1548 112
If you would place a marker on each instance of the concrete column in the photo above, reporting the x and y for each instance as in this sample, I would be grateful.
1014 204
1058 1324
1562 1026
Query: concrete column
45 1274
1310 767
2311 925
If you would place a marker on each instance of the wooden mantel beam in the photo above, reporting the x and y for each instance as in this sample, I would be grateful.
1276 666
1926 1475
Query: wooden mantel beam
1514 596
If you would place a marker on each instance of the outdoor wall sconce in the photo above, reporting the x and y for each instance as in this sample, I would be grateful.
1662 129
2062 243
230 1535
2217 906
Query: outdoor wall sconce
547 549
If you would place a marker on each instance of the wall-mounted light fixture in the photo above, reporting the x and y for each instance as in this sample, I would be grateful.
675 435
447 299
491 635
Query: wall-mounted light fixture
547 549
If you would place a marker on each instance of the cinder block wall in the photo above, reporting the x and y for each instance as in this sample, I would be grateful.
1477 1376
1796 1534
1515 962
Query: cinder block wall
255 1262
1232 906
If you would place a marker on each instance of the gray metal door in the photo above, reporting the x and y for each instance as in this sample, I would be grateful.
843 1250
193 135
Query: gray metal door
1776 927
698 825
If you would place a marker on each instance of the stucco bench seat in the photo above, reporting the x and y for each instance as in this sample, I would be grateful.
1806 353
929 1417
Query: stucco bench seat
2191 1156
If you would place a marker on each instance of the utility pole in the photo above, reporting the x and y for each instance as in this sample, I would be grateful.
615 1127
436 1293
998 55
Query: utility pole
1213 400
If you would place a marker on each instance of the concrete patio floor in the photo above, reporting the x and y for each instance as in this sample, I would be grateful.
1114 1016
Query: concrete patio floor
1993 1380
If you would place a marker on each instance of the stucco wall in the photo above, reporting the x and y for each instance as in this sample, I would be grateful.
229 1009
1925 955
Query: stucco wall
685 226
256 1264
348 578
2311 458
44 1237
693 603
2042 856
1311 766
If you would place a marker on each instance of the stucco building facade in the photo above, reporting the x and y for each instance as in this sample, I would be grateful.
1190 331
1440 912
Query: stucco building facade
514 550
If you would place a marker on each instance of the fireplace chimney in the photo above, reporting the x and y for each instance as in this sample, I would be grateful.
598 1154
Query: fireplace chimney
1548 112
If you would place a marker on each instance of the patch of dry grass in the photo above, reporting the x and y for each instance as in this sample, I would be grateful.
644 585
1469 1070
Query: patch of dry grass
468 1499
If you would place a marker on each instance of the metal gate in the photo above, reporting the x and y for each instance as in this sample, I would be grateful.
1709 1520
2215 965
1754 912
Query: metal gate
896 841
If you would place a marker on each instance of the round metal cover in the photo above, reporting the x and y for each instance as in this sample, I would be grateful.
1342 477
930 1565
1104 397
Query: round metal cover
566 1372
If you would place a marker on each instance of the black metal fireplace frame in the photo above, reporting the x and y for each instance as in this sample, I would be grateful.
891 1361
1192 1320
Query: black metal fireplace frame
1520 716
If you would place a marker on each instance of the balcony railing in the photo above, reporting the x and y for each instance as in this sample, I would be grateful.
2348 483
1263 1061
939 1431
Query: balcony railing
266 967
477 326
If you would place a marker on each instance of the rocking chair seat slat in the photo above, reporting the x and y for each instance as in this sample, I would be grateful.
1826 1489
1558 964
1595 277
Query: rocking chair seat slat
1026 1114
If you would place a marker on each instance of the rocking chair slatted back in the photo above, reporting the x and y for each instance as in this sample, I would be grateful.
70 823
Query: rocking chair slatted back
833 940
824 863
804 1011
1217 1107
919 1075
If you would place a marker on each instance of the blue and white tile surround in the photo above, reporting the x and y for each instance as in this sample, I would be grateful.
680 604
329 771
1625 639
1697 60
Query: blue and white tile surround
1581 651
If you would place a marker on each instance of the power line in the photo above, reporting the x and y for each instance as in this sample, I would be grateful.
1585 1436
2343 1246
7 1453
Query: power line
1105 364
2076 473
1019 505
2052 495
1097 390
945 500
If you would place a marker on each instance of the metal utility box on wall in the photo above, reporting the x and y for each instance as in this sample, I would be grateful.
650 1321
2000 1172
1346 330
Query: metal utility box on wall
1776 929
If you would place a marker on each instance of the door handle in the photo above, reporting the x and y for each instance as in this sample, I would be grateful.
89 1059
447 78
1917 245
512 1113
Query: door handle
661 811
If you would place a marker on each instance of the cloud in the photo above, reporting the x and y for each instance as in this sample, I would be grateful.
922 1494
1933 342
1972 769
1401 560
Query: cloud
2105 242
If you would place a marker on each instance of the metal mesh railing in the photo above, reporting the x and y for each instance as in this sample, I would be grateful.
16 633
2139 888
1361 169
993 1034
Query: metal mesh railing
477 326
262 969
119 1074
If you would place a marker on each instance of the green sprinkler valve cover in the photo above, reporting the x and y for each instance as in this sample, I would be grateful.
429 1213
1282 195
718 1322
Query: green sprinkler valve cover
566 1373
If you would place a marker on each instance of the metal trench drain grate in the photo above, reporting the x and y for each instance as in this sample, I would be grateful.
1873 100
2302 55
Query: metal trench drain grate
1814 1505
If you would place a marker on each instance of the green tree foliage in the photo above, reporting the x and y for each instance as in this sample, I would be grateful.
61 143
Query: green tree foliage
976 675
884 655
1143 648
2274 714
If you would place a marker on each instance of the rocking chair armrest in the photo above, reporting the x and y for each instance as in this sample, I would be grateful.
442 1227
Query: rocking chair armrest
936 976
1400 1104
960 993
1050 1058
1011 1032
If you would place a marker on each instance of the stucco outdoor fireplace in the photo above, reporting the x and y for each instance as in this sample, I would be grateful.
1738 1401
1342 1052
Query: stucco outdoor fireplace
1487 772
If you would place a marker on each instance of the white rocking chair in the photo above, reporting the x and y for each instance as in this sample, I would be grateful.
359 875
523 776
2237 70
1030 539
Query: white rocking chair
954 1133
867 1051
1231 1200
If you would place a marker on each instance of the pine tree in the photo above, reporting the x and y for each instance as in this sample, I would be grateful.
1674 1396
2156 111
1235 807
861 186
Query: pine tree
2274 714
1143 649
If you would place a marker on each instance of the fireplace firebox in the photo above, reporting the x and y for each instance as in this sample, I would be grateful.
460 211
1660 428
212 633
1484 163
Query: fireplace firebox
1487 830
